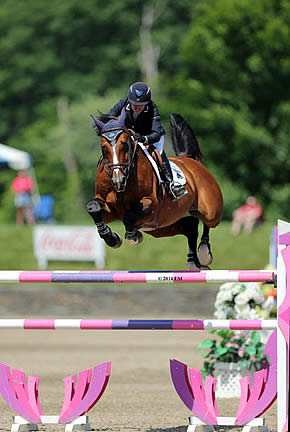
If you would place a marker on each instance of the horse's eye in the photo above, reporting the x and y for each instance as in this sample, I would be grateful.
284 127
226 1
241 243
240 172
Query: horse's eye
125 146
104 151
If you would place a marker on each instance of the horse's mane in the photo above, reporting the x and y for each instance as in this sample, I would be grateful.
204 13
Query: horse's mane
183 138
105 117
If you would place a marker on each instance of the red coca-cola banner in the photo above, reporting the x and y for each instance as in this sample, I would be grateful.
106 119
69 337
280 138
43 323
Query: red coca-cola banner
67 243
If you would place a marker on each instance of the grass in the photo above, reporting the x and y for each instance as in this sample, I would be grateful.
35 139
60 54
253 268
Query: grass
246 251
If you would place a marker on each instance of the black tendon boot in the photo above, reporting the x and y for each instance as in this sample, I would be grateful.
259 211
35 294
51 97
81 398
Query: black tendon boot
175 190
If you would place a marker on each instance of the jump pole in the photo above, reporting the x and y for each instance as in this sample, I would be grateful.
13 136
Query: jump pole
281 324
94 324
96 276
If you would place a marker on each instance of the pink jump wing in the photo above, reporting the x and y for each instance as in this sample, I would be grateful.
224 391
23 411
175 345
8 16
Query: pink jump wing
192 395
15 393
95 389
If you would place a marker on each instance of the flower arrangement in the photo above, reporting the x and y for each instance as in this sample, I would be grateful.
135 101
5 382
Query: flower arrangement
237 301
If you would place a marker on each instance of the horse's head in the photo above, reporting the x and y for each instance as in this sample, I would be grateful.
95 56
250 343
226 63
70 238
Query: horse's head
118 149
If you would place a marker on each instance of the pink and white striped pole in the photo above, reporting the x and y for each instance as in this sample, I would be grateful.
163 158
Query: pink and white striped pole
96 276
106 324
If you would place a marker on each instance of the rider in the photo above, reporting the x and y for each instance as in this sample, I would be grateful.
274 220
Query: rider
142 116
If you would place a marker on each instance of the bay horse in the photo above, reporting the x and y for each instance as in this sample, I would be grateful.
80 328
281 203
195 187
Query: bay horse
127 189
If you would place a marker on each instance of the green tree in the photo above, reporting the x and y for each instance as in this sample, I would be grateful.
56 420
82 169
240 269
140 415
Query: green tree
71 48
65 152
61 48
233 88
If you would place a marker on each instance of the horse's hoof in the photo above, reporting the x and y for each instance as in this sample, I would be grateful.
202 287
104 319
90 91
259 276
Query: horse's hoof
118 239
112 239
134 238
192 266
204 254
193 263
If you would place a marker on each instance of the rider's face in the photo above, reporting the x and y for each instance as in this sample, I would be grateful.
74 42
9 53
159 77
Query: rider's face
137 108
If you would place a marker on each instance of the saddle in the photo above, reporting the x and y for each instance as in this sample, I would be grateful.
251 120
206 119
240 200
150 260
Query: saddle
155 159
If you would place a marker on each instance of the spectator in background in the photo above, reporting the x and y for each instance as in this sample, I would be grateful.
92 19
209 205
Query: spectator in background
249 215
23 186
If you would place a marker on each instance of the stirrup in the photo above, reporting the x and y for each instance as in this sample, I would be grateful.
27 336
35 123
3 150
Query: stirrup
176 191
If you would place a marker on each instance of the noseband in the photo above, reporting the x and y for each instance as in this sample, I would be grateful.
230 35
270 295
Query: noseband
112 135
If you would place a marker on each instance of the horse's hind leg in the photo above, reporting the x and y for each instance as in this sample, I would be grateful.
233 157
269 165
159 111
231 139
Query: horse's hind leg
111 238
190 230
187 226
204 252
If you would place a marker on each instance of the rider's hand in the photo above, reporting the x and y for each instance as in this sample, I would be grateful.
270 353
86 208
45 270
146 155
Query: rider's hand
140 138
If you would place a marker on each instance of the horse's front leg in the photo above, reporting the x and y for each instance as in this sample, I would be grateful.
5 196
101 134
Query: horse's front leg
95 210
134 217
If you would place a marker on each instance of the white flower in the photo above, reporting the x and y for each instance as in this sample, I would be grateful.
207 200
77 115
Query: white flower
236 289
253 315
242 311
229 311
268 304
242 299
254 292
224 296
220 314
226 286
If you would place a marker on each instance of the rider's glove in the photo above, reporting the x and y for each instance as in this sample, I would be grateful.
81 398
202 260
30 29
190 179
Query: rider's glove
140 138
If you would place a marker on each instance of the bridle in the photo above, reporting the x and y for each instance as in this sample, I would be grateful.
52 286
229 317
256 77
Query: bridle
125 167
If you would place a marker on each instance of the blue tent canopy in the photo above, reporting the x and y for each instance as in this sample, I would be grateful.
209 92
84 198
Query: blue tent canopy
13 158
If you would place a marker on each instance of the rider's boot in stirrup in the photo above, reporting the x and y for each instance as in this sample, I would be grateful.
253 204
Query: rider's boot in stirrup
175 190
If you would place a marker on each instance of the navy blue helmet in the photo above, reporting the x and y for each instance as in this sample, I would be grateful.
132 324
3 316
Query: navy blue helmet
139 94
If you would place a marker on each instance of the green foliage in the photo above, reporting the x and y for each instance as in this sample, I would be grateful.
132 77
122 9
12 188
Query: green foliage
224 65
233 347
7 208
233 193
50 145
233 88
280 202
72 48
58 49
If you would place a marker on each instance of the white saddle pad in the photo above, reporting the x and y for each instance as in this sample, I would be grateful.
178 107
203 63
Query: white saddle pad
178 176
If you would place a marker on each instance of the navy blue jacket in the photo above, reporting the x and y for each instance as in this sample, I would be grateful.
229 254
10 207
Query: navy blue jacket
147 123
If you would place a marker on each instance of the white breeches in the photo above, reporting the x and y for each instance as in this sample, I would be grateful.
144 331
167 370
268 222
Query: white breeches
159 144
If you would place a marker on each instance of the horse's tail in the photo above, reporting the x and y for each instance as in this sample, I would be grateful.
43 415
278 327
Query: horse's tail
183 138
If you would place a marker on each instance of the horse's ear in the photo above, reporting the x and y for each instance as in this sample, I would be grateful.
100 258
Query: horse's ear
98 125
122 117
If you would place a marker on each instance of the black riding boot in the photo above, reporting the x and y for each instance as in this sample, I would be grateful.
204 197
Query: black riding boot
175 190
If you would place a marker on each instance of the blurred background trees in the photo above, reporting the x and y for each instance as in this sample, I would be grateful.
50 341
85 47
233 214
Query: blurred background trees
222 64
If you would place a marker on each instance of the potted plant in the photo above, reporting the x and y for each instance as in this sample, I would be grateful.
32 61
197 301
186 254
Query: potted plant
233 347
236 353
